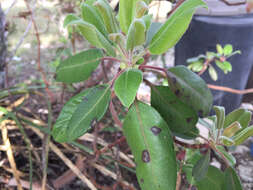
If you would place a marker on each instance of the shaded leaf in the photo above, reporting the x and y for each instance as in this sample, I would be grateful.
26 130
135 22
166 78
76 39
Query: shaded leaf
200 169
241 115
78 67
136 34
176 25
220 114
212 181
152 146
127 85
59 130
191 89
232 181
179 117
88 112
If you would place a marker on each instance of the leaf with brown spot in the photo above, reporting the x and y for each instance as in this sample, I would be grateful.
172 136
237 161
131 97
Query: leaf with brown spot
153 154
180 117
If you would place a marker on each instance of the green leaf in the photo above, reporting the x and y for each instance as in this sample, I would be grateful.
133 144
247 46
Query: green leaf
152 146
227 66
176 25
232 181
141 9
241 115
179 117
228 49
92 16
78 67
126 13
70 18
200 169
220 114
190 89
213 73
231 159
136 34
243 135
212 181
127 85
226 141
219 49
232 129
91 33
197 66
88 112
59 130
108 16
154 27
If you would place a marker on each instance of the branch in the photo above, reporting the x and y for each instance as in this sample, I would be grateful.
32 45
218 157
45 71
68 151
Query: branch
50 94
231 90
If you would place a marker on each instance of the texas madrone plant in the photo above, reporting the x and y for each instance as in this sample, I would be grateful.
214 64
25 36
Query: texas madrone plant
152 131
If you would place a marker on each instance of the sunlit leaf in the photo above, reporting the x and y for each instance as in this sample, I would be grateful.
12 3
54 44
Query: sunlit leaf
176 25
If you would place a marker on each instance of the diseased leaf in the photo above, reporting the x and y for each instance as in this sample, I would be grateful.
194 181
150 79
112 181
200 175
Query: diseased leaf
88 112
200 169
91 33
152 146
176 25
232 181
136 34
243 135
190 89
241 115
127 85
220 113
141 9
179 117
59 130
212 181
126 13
78 67
92 16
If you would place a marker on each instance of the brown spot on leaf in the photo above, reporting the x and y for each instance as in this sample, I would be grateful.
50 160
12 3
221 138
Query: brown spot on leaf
101 87
142 180
156 130
200 113
177 92
85 99
145 156
189 119
93 123
174 80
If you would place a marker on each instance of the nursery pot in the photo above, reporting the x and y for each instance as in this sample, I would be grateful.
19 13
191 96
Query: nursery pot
221 24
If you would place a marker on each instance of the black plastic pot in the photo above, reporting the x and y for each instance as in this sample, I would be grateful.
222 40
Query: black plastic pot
203 35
